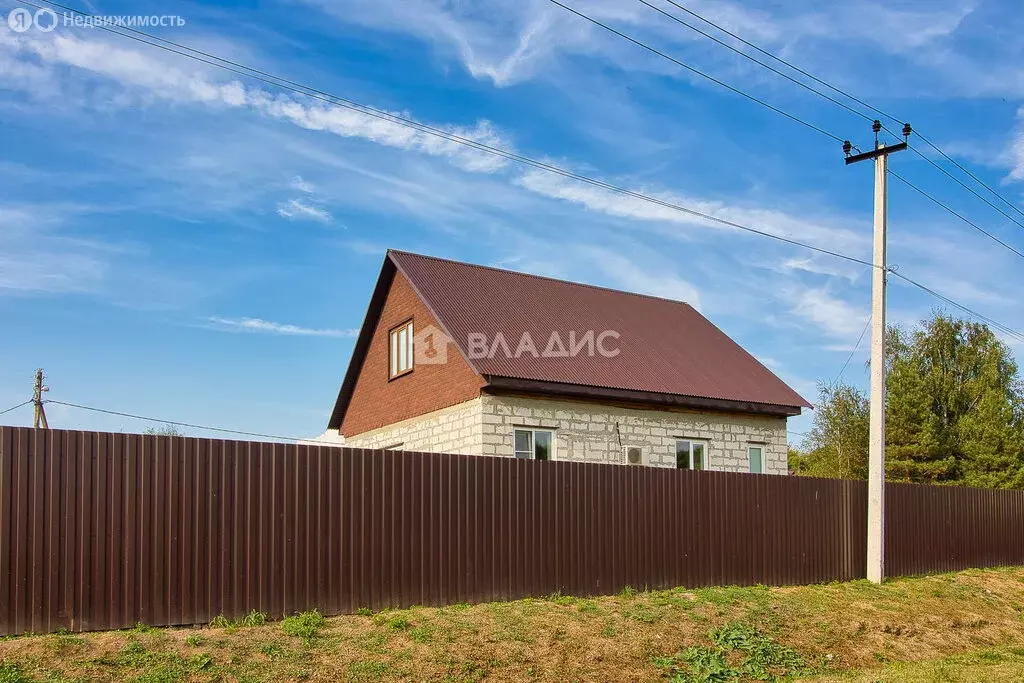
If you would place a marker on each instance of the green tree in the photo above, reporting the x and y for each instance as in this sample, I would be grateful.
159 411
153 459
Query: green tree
837 444
164 430
954 412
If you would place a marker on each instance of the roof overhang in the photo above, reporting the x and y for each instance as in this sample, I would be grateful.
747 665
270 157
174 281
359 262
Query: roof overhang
355 364
647 398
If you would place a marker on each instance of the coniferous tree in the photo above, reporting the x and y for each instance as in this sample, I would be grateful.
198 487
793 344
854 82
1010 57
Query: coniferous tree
954 412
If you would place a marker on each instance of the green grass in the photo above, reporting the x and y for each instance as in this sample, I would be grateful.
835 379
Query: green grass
738 652
992 665
10 672
306 626
952 627
253 618
366 670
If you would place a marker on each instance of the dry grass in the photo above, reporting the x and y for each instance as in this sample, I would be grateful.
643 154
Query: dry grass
836 629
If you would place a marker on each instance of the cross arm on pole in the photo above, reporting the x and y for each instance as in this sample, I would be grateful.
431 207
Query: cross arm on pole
864 156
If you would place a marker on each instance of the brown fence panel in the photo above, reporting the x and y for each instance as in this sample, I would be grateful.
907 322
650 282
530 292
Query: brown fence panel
949 528
104 531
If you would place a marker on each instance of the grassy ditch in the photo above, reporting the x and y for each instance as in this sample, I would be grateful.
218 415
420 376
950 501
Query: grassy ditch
963 626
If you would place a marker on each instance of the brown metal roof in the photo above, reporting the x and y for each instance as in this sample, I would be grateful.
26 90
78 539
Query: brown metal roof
665 347
668 352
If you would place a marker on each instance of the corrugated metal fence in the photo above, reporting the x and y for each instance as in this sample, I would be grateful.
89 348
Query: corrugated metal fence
103 531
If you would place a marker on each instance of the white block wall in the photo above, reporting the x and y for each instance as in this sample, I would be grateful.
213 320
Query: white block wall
456 429
586 432
593 433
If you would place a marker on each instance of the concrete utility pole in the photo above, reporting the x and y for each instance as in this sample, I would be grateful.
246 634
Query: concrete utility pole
876 447
37 401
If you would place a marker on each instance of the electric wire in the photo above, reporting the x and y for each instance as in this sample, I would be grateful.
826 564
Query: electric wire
825 96
965 186
173 422
831 87
1009 331
308 91
757 61
4 412
971 175
698 72
285 84
966 220
855 347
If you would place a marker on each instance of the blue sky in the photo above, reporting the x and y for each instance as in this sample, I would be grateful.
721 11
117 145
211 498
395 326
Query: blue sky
180 242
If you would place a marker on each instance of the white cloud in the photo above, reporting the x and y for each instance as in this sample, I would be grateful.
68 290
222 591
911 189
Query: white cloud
296 209
265 326
510 42
302 185
148 77
1016 153
639 275
821 265
833 316
36 257
499 41
774 222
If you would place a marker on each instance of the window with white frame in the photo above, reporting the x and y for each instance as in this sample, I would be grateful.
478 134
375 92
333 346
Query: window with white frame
756 455
400 350
691 454
534 444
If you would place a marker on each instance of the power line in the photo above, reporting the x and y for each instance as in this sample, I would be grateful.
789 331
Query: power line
173 422
832 88
969 222
855 347
834 101
972 176
15 407
335 100
792 66
700 73
776 109
756 61
1009 331
965 186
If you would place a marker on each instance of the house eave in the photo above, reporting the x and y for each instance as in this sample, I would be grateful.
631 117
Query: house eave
355 365
496 384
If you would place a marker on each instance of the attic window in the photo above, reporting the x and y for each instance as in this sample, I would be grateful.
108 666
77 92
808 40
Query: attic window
400 350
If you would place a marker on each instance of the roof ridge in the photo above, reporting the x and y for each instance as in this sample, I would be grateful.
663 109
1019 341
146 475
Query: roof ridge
520 273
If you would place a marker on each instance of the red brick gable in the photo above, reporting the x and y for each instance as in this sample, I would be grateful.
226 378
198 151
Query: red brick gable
377 401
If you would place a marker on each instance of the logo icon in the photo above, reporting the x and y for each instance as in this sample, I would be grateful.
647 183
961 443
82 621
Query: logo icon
430 346
20 19
46 20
